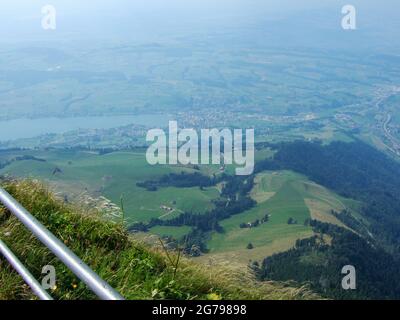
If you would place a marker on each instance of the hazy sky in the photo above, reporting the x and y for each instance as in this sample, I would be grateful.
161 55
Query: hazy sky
313 21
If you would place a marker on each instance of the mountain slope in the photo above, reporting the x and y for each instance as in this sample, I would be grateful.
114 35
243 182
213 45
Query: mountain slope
134 269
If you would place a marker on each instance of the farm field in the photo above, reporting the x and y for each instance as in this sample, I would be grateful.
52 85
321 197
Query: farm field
114 176
282 195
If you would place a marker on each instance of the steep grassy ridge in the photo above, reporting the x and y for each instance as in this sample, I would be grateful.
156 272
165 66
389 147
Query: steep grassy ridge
134 269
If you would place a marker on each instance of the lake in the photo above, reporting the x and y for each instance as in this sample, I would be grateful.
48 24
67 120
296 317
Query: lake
29 128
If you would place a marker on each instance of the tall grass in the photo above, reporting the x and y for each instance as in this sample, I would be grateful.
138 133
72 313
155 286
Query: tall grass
136 270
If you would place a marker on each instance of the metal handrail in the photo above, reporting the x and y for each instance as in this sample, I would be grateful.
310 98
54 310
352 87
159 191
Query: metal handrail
101 288
24 272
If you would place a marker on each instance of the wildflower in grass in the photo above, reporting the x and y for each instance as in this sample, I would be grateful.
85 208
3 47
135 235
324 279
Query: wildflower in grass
213 296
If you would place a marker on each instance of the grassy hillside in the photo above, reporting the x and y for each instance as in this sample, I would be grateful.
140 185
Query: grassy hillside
112 175
134 269
281 195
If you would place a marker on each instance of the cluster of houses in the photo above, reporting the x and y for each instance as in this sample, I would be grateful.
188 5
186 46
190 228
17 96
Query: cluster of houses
165 208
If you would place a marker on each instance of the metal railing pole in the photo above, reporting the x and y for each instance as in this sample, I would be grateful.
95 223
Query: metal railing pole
24 272
101 288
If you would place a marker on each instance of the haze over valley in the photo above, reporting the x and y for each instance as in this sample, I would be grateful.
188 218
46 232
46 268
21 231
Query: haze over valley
77 102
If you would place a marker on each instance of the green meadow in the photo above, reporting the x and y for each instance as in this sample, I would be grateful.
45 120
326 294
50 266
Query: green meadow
281 194
115 176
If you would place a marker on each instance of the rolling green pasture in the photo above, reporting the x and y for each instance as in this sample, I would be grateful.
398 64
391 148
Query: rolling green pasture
115 176
283 195
287 202
176 232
